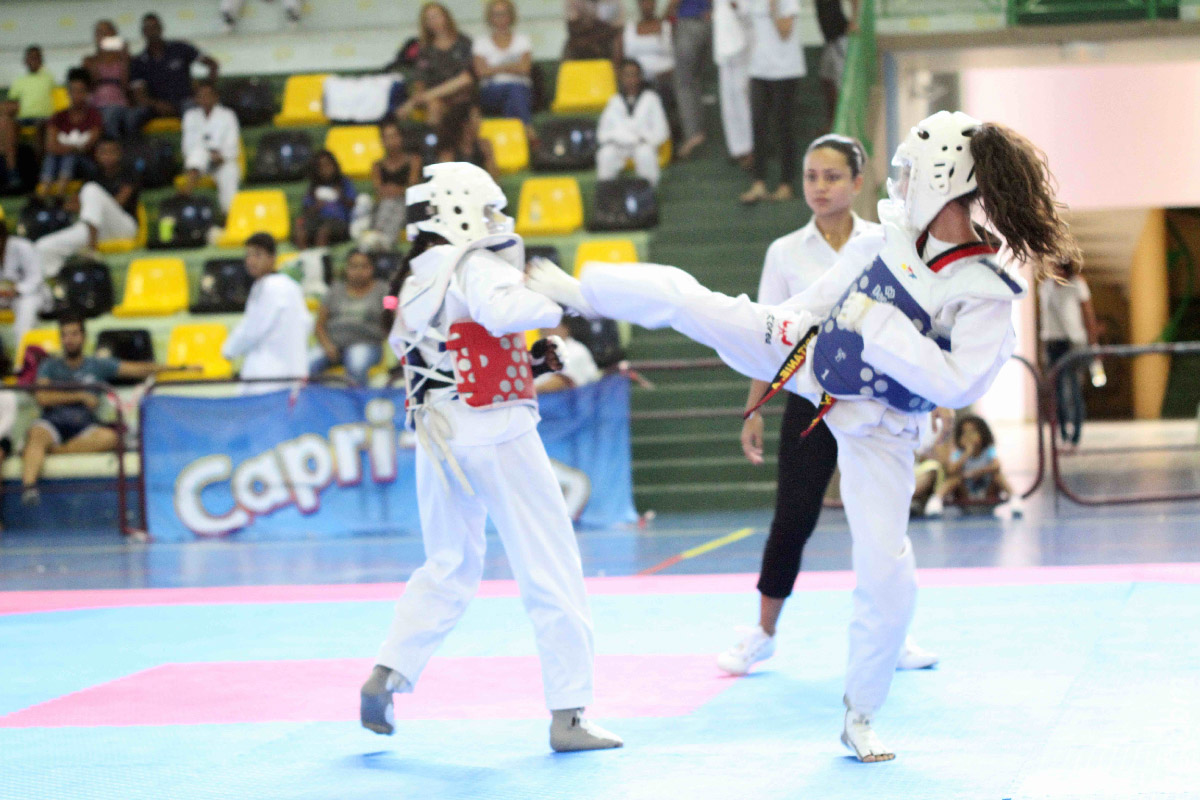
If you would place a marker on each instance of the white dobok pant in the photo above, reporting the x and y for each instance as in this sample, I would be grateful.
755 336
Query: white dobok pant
611 158
876 460
733 87
515 485
226 175
96 208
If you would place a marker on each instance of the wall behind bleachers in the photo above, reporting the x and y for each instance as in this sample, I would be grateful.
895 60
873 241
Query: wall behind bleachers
357 34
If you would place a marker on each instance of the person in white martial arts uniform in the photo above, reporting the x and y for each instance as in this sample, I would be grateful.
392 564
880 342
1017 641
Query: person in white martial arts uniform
917 317
272 338
212 140
632 126
461 314
731 52
21 281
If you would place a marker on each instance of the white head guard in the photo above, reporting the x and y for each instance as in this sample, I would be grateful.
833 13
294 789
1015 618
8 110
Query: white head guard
459 202
933 165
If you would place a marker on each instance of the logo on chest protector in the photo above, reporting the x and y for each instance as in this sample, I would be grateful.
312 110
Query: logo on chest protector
490 370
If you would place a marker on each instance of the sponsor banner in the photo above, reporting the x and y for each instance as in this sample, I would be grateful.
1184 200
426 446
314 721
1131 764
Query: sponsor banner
327 461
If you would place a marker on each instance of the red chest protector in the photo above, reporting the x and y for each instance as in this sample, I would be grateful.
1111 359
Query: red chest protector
490 371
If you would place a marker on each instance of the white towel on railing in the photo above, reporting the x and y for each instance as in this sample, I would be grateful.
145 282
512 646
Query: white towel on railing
362 99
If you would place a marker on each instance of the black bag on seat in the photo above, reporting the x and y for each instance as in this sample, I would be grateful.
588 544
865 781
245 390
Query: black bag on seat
624 204
224 287
156 161
386 263
568 143
184 221
38 219
601 337
252 100
547 251
421 139
281 156
83 286
125 344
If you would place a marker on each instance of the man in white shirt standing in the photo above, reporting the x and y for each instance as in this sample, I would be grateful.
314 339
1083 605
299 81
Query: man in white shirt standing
21 283
212 140
272 338
632 126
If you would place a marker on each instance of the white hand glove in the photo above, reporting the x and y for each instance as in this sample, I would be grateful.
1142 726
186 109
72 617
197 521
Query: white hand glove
544 277
854 309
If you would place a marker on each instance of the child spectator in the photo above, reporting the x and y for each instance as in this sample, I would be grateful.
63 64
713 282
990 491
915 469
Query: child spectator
161 75
391 177
633 125
503 65
212 141
328 204
593 28
107 208
973 476
350 323
30 102
71 137
109 67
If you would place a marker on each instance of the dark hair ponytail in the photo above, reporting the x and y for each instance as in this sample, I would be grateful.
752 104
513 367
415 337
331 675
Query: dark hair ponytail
423 242
1016 191
852 149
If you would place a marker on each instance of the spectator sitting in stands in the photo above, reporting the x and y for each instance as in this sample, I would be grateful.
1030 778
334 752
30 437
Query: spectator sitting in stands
109 68
30 102
469 146
391 177
71 137
633 125
328 204
21 284
648 42
442 82
593 29
350 322
107 208
212 140
579 367
272 338
503 65
973 476
69 423
161 75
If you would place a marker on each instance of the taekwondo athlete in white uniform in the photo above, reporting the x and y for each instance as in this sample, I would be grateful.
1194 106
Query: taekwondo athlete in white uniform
917 317
459 330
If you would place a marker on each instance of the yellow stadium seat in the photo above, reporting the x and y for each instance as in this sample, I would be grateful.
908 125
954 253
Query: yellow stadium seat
509 143
206 181
60 98
7 317
356 148
549 207
584 86
113 246
664 156
254 211
163 125
197 344
46 338
303 101
612 251
154 287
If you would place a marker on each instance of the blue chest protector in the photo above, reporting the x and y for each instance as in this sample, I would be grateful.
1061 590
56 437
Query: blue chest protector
837 353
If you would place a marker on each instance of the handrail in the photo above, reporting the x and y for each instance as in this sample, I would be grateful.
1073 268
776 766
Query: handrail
1072 361
120 450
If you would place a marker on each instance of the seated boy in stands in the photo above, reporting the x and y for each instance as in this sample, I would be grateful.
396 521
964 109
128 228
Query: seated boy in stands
212 139
71 136
632 126
69 423
107 208
30 102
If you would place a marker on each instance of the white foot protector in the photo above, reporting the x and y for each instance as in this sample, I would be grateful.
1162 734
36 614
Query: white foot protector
754 646
913 656
859 737
545 278
935 507
570 732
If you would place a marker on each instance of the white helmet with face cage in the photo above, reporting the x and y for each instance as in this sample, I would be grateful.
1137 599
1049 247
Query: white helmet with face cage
459 202
932 167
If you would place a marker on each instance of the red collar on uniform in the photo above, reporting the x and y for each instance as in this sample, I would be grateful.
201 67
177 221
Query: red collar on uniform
956 253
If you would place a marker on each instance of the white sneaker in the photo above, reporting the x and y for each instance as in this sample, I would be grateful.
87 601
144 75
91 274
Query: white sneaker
755 646
859 737
545 278
570 732
935 507
914 657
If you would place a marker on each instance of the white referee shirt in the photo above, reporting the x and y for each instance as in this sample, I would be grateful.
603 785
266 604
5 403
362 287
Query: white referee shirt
794 262
273 334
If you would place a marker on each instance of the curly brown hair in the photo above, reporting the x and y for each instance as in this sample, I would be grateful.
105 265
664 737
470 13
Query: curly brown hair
1016 190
